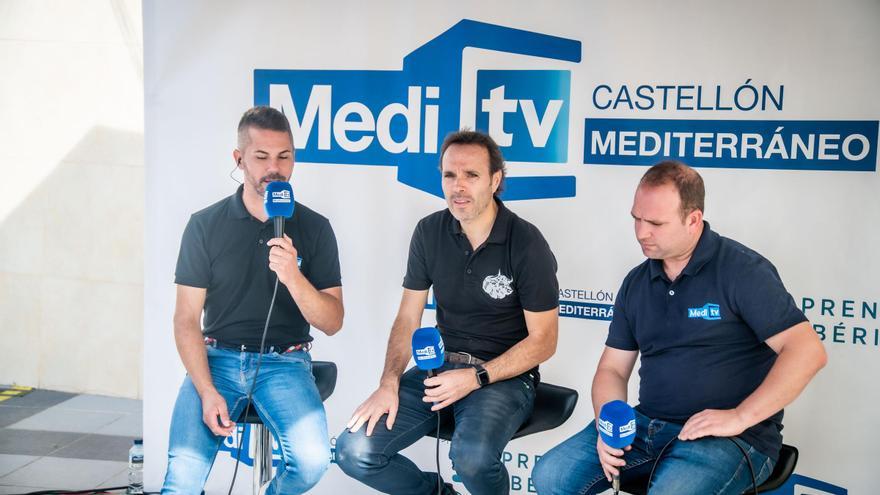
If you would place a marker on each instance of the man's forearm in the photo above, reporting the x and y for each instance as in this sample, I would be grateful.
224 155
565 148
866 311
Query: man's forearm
321 310
794 368
191 347
523 356
607 386
398 353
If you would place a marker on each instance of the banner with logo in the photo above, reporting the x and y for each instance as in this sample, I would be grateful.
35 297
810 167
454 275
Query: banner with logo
775 103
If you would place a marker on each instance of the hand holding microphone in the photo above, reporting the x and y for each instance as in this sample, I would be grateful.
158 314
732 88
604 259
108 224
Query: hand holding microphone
279 204
617 430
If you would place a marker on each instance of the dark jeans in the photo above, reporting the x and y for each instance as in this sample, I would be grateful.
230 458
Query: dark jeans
709 465
485 421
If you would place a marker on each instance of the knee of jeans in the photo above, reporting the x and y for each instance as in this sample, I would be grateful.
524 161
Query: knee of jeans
355 454
309 469
472 460
543 477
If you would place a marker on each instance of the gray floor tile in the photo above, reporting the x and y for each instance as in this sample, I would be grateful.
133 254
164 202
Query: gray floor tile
31 442
9 463
18 490
72 474
118 479
57 418
39 398
102 403
14 414
129 425
97 447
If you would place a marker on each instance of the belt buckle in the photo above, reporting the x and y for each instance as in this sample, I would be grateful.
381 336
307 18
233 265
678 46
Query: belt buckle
469 357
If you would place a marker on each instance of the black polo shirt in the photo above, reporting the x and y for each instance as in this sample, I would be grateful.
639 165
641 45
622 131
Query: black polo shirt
481 294
224 251
701 337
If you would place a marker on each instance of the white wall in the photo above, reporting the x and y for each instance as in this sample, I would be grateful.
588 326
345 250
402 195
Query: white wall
71 195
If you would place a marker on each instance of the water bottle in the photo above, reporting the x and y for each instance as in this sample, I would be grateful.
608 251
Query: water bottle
136 468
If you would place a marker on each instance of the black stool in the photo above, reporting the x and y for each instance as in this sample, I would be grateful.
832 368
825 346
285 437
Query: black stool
553 406
788 457
325 379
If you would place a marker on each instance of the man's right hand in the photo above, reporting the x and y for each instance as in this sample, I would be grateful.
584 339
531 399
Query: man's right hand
383 400
610 458
215 415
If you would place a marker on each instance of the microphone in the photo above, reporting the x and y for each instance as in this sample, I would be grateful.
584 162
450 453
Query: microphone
278 200
617 427
427 349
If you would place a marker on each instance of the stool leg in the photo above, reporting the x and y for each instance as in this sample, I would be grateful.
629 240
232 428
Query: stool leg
262 456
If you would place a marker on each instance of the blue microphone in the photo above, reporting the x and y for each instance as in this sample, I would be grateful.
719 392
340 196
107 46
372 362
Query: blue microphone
427 349
617 427
278 201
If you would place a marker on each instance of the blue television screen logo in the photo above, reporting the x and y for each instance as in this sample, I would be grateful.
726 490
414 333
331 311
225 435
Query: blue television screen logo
709 311
399 117
526 112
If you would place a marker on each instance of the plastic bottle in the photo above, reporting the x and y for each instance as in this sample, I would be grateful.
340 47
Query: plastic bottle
136 468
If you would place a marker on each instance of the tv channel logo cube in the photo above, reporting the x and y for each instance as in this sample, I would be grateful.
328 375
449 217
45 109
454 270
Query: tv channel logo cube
526 112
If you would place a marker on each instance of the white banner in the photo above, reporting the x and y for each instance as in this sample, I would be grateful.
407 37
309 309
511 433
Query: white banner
774 103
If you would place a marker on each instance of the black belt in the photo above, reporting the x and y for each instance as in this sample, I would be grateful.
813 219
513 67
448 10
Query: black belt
280 349
462 358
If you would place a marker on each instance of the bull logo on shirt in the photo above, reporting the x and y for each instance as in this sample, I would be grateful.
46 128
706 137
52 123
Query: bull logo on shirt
497 286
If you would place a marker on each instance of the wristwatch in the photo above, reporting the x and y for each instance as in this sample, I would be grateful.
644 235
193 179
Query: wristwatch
482 375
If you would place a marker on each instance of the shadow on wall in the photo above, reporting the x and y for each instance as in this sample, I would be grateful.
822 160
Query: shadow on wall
71 272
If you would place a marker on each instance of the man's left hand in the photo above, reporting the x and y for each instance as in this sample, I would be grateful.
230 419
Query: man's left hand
282 259
713 423
450 386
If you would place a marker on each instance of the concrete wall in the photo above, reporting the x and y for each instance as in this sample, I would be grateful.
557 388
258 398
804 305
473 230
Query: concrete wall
71 195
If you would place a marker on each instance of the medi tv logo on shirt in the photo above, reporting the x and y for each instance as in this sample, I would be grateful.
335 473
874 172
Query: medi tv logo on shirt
708 311
398 118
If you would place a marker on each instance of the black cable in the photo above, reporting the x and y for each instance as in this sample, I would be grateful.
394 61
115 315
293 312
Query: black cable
250 393
651 476
437 457
748 459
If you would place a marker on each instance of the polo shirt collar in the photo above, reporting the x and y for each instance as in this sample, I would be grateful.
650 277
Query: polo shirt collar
706 248
236 205
498 234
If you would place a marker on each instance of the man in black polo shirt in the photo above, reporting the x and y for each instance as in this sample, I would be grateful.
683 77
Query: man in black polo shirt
724 349
494 280
226 269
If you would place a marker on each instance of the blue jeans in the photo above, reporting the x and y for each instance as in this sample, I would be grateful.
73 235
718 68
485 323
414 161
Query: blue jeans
286 398
485 420
710 465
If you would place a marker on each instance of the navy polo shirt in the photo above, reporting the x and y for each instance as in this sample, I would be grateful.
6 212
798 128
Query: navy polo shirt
701 336
481 294
224 251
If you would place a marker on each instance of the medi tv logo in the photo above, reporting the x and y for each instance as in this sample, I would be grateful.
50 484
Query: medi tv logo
399 118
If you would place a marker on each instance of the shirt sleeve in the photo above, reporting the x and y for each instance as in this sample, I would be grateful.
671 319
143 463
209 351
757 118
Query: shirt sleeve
193 262
763 303
535 279
417 276
325 271
620 332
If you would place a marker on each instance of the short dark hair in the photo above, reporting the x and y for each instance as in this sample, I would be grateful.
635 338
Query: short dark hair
467 136
262 117
686 181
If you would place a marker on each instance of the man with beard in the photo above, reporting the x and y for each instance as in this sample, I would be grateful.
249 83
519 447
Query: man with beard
494 280
226 269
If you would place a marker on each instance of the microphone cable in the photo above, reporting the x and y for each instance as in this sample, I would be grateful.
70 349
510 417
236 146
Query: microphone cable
253 384
437 457
748 460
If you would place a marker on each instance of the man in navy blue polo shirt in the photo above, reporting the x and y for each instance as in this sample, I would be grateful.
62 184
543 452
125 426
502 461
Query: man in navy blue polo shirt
723 349
226 270
494 280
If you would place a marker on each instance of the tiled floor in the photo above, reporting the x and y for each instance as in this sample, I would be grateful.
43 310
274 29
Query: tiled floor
56 440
